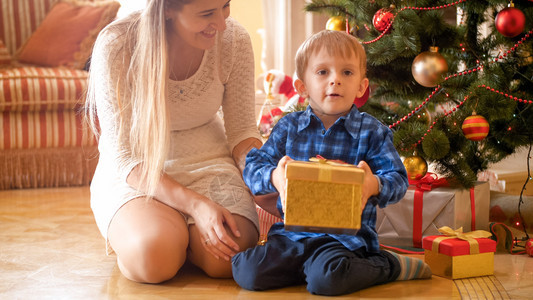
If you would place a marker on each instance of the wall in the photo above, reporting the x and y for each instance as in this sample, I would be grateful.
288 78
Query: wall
249 14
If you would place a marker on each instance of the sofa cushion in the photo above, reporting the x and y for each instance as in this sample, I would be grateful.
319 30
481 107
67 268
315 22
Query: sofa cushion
19 19
67 34
41 89
5 57
44 129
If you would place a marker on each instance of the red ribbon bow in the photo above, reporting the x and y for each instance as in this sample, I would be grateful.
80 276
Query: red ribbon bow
428 182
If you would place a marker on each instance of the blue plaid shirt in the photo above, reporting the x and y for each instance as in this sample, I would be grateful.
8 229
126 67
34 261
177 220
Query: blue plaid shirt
352 138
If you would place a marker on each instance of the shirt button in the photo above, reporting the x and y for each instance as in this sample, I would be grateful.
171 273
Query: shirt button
323 132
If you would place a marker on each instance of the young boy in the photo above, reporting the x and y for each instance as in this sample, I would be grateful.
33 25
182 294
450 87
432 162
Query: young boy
331 67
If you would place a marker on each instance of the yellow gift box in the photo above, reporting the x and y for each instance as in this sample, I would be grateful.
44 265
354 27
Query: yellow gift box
460 255
323 196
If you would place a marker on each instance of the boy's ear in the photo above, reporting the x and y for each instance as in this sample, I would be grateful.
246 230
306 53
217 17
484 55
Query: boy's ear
362 87
300 88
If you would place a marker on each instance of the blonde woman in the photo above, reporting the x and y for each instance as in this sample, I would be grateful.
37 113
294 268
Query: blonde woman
168 185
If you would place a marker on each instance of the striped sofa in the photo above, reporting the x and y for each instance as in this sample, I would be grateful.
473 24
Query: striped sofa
44 141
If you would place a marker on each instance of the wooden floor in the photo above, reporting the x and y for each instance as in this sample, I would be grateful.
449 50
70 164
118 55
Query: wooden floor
50 248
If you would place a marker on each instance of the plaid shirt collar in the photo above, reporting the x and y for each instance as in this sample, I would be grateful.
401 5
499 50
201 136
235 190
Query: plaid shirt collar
353 126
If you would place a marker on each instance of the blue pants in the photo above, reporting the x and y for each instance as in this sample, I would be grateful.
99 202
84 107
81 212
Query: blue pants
323 263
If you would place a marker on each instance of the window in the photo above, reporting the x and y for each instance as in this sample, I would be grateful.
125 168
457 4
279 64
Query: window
128 6
287 25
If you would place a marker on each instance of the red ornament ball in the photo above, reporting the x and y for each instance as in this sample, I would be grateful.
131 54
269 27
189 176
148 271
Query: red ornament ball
382 19
510 21
529 247
475 128
362 100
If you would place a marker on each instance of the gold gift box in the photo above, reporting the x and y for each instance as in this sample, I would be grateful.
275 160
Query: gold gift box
323 197
455 258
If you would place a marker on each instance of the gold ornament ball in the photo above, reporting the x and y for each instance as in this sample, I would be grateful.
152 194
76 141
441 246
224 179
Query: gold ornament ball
336 23
429 67
416 167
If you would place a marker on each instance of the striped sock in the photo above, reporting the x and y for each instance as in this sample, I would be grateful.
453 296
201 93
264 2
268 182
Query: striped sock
411 267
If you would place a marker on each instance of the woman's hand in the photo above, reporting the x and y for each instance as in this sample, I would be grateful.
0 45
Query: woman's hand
213 222
279 180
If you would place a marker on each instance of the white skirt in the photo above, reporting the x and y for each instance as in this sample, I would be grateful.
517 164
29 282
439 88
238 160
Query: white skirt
199 159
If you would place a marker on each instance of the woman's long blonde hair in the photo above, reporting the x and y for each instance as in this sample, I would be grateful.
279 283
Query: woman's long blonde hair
146 86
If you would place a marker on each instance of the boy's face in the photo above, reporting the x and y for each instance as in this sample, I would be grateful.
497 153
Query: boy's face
331 83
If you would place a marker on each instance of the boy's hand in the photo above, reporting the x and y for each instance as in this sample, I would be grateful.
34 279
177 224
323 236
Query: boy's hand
370 185
279 180
268 203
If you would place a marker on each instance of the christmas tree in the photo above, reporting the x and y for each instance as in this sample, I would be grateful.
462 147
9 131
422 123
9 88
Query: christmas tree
456 91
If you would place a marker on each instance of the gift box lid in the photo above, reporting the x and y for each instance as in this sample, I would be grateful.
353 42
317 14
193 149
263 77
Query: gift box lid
455 246
325 172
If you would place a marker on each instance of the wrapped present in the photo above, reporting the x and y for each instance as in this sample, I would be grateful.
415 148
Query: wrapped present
323 196
266 220
460 255
428 205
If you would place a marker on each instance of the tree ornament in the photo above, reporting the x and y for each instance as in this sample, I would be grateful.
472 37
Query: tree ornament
382 18
362 100
510 21
337 23
475 127
416 167
529 247
270 112
429 67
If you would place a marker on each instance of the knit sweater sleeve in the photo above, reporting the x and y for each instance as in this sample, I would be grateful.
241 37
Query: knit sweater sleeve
107 73
237 75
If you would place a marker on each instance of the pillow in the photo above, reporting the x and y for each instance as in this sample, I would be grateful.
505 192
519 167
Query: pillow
67 34
5 57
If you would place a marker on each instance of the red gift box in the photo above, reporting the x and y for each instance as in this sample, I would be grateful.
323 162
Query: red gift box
455 247
457 255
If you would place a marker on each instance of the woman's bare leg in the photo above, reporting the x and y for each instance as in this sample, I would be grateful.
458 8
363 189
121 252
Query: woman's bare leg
150 240
221 268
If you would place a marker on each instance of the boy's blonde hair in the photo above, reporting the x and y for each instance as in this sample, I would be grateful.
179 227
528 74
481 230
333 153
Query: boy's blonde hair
336 43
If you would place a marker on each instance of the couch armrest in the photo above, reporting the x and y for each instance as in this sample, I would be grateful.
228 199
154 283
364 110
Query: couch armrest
41 89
